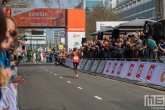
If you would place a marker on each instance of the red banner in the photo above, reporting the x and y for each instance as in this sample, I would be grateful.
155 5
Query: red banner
39 17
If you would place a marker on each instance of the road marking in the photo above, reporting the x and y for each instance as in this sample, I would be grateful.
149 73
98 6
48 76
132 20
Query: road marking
50 72
46 70
79 87
61 77
68 81
55 74
98 97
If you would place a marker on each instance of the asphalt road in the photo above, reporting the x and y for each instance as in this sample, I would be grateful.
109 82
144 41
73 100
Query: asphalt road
50 87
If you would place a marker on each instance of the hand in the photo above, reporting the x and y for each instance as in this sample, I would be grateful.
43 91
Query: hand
19 79
8 72
6 108
13 63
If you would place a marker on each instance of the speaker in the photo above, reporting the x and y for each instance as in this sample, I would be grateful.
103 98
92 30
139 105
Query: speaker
158 30
100 36
149 28
83 40
115 33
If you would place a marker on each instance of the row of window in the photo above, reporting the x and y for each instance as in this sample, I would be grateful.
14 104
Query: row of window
91 4
138 9
147 14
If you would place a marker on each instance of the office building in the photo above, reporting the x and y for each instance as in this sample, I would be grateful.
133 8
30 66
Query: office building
89 4
35 39
159 11
131 9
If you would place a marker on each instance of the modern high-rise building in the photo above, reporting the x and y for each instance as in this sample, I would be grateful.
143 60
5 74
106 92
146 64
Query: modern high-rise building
89 4
131 9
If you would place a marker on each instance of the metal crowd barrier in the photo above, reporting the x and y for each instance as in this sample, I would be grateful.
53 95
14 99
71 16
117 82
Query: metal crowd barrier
144 72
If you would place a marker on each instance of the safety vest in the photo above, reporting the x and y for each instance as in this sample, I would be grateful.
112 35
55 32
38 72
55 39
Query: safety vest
76 58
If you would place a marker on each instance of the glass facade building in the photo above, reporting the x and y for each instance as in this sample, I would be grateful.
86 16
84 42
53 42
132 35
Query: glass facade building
89 4
131 9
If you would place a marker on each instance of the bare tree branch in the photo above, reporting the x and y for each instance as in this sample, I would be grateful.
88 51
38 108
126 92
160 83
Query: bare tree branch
99 13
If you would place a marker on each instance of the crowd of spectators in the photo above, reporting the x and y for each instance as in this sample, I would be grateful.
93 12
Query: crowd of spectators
132 45
10 56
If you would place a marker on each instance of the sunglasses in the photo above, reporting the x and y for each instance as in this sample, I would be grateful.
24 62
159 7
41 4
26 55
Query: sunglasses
13 33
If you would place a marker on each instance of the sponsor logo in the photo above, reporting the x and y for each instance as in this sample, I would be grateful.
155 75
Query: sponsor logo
76 43
130 70
108 67
139 72
76 29
150 72
114 68
75 35
16 11
162 78
120 68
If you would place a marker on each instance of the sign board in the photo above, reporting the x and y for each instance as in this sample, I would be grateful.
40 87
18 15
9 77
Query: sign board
105 24
39 17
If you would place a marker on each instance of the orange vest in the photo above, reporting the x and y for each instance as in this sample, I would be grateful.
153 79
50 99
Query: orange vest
76 57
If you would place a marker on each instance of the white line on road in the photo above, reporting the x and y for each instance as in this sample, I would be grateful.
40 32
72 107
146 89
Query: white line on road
79 87
55 74
68 81
98 97
46 70
50 72
61 77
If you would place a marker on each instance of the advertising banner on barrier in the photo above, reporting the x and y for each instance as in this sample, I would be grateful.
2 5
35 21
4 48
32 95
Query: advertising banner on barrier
80 63
160 80
94 66
142 70
88 65
119 68
8 99
130 70
83 64
151 74
107 67
101 66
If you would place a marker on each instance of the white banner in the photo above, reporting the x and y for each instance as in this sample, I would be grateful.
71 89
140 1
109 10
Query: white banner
161 76
74 39
107 67
130 70
94 66
151 74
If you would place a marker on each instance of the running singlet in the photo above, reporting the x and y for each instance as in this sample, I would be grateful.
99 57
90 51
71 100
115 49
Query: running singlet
76 57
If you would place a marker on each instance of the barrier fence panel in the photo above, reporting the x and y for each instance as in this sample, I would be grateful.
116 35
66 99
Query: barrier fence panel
83 64
80 63
160 80
94 66
101 67
9 97
147 72
142 70
88 65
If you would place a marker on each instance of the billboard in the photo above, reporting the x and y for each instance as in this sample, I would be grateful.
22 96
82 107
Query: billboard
76 27
104 24
76 20
39 17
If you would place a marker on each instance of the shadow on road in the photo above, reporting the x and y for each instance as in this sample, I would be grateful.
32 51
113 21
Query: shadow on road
68 76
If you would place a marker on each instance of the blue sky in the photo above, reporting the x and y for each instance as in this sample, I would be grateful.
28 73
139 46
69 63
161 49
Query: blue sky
63 4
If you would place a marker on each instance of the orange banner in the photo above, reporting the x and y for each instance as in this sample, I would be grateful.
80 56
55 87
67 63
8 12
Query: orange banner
39 17
76 20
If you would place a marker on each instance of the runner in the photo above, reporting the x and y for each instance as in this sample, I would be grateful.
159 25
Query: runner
76 60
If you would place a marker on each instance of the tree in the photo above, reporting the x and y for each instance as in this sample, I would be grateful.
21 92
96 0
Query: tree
99 13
